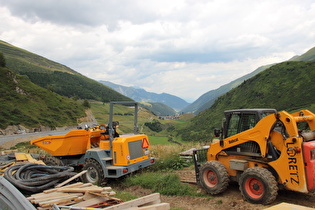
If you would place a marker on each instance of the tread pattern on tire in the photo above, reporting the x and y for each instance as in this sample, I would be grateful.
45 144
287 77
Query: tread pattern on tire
269 181
222 176
53 161
97 166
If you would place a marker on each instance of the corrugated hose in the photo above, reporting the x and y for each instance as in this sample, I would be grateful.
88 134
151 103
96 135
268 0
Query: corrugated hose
33 177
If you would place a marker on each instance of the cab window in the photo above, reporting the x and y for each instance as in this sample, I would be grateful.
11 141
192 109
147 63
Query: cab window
240 122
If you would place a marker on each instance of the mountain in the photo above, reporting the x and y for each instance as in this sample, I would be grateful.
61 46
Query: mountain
56 77
141 95
308 56
158 109
25 103
206 100
285 86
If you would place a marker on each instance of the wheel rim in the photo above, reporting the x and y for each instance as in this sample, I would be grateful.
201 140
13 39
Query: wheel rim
211 178
92 175
254 188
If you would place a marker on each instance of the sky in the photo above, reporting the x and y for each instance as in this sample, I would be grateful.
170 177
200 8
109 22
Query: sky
181 47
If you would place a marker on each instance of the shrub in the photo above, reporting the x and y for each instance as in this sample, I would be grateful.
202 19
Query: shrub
2 60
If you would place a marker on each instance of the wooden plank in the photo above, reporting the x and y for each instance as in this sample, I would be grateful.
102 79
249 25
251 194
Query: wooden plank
6 166
7 152
82 190
288 206
146 200
54 197
62 200
46 196
112 193
70 179
20 156
68 186
41 195
158 206
85 185
91 201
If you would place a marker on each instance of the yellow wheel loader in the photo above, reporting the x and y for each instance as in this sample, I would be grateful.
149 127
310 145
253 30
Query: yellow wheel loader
263 150
100 150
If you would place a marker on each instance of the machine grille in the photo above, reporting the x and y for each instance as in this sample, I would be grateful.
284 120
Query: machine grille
135 149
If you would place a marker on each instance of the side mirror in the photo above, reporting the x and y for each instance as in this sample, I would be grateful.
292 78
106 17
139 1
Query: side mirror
217 132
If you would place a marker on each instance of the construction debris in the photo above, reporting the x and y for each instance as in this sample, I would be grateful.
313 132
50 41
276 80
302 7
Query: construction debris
83 196
70 195
9 158
21 170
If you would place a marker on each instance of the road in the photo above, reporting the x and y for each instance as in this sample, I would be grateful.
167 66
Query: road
7 141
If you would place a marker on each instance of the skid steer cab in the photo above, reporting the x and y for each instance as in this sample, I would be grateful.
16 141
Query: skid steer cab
100 150
263 150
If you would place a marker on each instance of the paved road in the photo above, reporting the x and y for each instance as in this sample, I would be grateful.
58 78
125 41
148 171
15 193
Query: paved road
5 139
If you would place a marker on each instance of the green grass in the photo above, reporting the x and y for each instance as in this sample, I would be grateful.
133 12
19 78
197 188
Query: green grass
33 106
158 140
166 184
125 196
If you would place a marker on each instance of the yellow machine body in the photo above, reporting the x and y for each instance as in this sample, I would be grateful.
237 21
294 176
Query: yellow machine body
290 166
125 149
126 152
75 142
101 150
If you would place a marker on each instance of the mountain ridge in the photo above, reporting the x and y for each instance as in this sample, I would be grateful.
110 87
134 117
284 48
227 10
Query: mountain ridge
56 77
285 86
141 95
206 100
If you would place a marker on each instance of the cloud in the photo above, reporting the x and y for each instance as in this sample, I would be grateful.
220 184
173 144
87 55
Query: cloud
185 48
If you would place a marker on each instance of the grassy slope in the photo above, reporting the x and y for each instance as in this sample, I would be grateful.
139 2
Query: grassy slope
22 102
286 86
54 76
124 115
158 109
21 60
207 99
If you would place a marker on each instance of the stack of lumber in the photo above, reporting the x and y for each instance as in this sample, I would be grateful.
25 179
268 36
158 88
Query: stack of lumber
85 196
74 194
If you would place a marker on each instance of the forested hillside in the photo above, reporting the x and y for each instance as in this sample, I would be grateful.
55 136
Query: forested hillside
24 103
56 77
286 86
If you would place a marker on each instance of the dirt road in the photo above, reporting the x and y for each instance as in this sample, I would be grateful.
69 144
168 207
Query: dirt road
232 199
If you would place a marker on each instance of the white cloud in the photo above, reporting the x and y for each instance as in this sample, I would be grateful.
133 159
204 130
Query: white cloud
185 48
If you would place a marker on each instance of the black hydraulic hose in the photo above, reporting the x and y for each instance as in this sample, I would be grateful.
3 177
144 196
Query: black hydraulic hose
35 178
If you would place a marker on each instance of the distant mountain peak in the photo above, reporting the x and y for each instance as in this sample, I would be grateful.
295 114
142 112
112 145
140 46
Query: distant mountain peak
141 95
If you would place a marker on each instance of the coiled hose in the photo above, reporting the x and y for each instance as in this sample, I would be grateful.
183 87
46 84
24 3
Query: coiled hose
33 177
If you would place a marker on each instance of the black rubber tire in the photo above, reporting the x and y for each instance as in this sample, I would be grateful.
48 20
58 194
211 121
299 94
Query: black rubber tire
94 174
258 185
53 161
214 177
